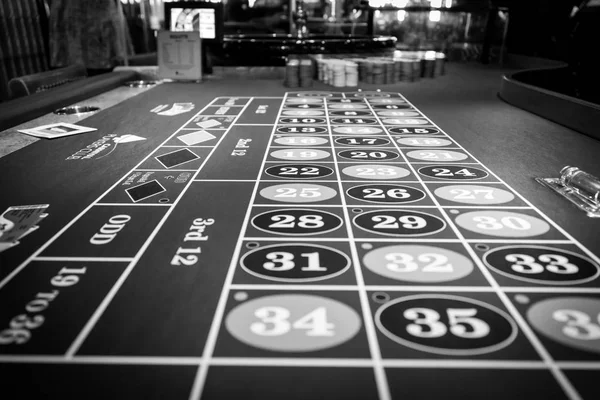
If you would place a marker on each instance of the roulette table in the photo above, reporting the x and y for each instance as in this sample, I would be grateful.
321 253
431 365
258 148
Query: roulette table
266 242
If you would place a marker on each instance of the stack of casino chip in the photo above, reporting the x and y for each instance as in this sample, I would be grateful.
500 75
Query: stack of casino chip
306 73
348 72
428 64
320 70
292 73
338 73
416 64
389 71
407 74
361 69
428 68
378 72
397 71
440 61
368 71
351 73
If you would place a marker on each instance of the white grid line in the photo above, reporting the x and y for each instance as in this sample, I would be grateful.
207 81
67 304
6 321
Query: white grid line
85 259
134 204
297 362
118 360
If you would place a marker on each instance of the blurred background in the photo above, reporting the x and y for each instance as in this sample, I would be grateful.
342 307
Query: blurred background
34 34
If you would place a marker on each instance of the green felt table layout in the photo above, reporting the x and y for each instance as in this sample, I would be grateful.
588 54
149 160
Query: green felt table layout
322 244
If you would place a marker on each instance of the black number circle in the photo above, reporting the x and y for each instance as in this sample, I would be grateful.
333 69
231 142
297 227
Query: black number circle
413 131
453 172
295 262
540 264
390 106
299 171
399 223
445 324
303 120
345 100
386 194
302 129
297 221
350 113
362 141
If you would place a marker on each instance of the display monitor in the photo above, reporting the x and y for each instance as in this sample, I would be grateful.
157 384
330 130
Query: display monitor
204 17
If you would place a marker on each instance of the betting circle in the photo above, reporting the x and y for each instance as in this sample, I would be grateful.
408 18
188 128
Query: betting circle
344 100
299 171
474 194
502 223
392 113
353 121
437 155
295 262
453 172
298 193
309 94
376 98
293 323
308 112
417 263
386 193
300 154
399 223
362 141
368 155
302 129
571 321
350 106
303 120
445 324
405 121
375 172
303 100
301 140
350 130
390 106
350 113
296 221
423 142
541 265
413 131
371 95
305 106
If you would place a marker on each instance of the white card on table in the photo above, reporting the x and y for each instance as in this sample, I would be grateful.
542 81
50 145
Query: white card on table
59 129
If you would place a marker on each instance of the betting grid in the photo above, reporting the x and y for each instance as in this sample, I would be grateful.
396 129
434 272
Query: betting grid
315 317
295 302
